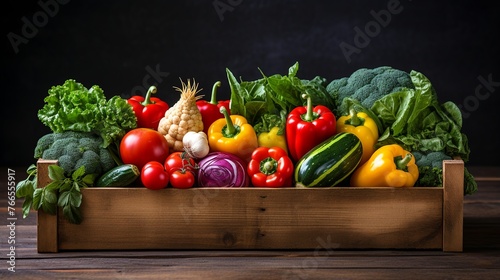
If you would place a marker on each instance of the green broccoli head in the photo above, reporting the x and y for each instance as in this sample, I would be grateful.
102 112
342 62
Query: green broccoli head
74 149
367 85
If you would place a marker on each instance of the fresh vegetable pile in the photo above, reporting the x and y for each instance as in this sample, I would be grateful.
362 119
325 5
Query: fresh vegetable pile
380 127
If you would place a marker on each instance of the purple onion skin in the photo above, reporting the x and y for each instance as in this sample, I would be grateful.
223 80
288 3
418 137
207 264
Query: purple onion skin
224 170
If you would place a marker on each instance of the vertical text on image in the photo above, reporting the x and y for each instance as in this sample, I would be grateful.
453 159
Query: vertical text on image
11 219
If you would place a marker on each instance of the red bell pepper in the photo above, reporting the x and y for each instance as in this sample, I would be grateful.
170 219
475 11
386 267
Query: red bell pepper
210 110
270 167
307 127
149 110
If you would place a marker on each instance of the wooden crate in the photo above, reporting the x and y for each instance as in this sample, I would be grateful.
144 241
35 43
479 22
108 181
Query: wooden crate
259 218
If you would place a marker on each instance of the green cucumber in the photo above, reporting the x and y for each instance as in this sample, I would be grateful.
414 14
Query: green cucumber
119 176
330 162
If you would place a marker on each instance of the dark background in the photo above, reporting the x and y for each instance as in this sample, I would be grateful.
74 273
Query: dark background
115 44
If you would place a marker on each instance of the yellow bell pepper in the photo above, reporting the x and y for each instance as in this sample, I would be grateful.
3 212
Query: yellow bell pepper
232 134
389 166
272 139
364 127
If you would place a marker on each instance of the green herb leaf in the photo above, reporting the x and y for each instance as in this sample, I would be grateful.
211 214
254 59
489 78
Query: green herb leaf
78 173
31 170
37 198
53 186
66 186
75 198
73 214
64 199
88 180
25 188
56 173
27 204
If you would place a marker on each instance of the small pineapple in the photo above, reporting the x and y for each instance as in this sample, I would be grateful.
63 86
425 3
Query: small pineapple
184 116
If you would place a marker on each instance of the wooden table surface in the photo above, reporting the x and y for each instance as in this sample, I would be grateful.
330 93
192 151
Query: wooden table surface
479 260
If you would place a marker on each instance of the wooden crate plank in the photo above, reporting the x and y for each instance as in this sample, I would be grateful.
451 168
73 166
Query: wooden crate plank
453 188
46 224
251 218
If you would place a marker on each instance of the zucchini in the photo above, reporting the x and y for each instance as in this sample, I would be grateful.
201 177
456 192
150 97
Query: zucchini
119 176
330 162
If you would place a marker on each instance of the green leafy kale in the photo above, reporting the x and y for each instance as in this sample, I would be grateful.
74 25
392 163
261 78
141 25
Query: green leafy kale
416 119
73 107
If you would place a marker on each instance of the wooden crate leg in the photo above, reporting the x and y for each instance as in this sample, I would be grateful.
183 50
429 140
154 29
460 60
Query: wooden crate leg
46 223
453 196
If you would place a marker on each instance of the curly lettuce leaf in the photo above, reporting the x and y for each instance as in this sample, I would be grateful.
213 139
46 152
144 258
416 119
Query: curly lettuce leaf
73 107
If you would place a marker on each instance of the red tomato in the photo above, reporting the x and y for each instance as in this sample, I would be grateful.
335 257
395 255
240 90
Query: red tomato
179 160
142 145
182 179
154 176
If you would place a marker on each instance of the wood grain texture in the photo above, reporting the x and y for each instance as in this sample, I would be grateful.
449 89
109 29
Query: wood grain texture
46 223
480 257
254 218
453 188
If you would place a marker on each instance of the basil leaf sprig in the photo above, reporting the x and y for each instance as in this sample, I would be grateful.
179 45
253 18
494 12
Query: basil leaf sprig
63 192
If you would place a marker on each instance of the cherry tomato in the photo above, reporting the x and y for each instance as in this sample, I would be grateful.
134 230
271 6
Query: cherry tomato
142 145
154 176
179 160
182 179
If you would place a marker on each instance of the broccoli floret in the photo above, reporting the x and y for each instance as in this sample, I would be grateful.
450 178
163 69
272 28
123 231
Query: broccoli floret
431 159
74 149
367 86
54 151
429 176
43 144
91 161
430 168
107 161
90 144
66 162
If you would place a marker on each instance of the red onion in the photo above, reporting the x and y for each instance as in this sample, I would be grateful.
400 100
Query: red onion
219 169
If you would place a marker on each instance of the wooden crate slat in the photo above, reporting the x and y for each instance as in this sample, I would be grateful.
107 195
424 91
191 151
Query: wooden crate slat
47 237
453 191
259 218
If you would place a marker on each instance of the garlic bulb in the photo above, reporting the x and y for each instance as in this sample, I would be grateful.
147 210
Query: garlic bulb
196 144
